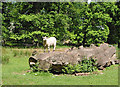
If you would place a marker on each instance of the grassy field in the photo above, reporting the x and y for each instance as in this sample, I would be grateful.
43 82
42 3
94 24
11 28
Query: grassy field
15 67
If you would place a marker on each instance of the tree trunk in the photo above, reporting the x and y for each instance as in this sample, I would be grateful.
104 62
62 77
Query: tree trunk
37 44
119 44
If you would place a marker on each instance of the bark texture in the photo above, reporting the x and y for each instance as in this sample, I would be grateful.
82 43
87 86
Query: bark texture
105 56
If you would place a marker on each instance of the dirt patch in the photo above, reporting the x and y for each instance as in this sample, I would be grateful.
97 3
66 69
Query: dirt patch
40 50
22 73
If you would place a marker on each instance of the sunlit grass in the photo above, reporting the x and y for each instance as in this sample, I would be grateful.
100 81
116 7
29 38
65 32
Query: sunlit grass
15 73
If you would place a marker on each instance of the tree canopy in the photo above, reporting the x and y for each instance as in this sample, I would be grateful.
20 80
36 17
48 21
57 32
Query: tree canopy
82 23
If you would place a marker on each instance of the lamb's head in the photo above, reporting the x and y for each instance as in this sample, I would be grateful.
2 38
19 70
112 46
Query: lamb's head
44 38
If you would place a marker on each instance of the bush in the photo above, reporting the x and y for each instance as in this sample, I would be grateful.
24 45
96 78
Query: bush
84 66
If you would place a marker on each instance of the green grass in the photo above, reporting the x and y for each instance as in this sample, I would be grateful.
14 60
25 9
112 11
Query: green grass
14 73
118 53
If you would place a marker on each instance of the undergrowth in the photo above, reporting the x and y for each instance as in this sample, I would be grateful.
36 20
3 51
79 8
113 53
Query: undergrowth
82 67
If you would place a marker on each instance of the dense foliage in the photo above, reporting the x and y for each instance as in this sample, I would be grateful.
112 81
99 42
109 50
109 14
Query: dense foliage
25 23
84 66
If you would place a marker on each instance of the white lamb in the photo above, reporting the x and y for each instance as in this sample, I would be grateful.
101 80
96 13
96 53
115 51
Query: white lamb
47 42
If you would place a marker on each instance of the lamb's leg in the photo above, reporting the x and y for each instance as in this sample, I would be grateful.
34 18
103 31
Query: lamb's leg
48 49
54 47
44 49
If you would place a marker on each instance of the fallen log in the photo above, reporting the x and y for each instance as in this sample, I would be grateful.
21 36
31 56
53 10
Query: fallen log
105 56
